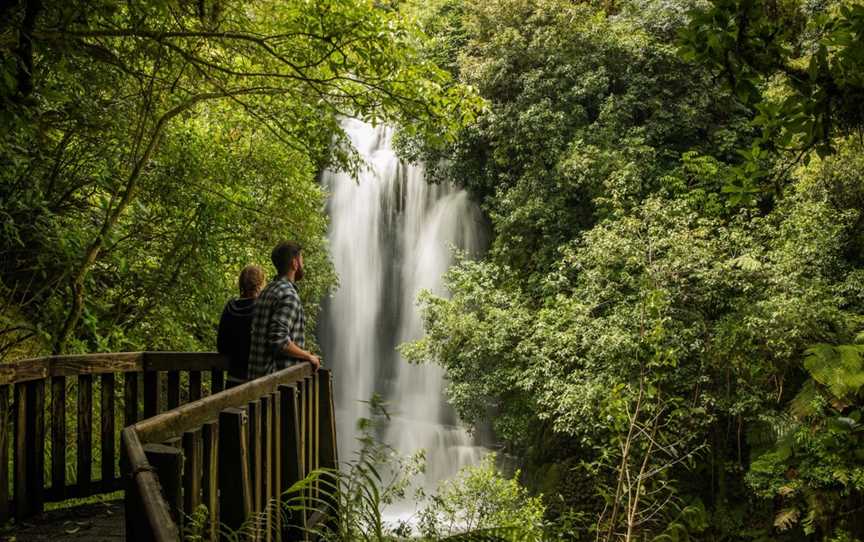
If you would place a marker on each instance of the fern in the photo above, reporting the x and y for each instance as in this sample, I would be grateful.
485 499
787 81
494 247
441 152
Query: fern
803 405
692 519
786 518
838 367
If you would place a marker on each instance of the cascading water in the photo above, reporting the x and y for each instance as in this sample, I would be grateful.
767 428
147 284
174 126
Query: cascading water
391 235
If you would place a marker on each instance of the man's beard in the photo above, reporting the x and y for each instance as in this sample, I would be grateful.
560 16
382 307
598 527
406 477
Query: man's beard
298 275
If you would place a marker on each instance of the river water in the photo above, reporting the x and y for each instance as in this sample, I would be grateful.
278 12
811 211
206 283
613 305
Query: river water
391 235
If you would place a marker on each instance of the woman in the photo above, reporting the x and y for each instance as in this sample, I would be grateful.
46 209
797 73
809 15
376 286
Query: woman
236 322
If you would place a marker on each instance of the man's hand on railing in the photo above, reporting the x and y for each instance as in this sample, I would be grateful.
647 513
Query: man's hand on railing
298 353
315 361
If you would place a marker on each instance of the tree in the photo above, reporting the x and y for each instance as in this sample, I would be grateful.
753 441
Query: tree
636 321
93 91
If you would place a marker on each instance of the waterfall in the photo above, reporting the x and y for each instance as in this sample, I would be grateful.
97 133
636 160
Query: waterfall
391 236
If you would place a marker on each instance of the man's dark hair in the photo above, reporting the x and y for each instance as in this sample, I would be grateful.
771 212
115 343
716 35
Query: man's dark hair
283 254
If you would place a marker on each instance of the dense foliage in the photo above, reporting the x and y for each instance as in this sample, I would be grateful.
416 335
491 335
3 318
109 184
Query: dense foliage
666 332
151 149
677 201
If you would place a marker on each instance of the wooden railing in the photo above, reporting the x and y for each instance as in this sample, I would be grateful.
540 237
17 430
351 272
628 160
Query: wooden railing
236 452
35 417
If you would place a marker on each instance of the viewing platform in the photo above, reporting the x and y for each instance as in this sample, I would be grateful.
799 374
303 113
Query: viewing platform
159 433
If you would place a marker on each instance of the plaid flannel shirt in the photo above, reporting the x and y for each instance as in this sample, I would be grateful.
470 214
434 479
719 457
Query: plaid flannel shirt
277 320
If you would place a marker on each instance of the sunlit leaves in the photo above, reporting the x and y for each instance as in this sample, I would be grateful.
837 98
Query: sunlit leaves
800 70
840 367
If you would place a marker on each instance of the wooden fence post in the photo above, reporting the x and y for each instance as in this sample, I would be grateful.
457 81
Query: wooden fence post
173 390
194 385
21 451
255 465
36 426
130 398
276 471
4 453
327 416
152 393
167 461
58 437
292 463
217 380
85 434
266 459
210 436
235 493
329 457
109 457
137 527
192 470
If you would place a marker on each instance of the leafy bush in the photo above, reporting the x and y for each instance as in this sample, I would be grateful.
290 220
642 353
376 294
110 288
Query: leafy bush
815 468
481 498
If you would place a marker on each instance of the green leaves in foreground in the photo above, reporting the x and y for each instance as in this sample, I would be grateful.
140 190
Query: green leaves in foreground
350 504
814 469
839 367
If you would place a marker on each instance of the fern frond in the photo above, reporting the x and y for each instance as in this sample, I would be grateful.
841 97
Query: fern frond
786 518
803 406
838 367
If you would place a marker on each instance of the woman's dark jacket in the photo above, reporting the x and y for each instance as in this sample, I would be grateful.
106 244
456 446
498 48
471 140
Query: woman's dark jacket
234 335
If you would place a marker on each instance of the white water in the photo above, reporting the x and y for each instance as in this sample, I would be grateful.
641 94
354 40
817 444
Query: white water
391 236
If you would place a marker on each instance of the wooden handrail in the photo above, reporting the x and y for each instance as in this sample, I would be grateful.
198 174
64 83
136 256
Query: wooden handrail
234 450
173 423
281 434
108 387
25 370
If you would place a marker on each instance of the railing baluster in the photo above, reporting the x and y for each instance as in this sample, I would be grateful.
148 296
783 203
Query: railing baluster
254 410
194 385
109 457
58 437
329 455
152 393
85 434
235 491
217 380
192 457
266 464
36 470
301 396
130 398
29 447
316 423
5 416
168 463
22 450
276 470
210 461
173 390
292 455
309 421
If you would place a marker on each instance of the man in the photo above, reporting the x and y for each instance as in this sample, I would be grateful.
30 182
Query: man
235 325
278 321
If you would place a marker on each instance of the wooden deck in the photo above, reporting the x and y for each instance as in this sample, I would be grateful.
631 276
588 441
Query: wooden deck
183 442
100 522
